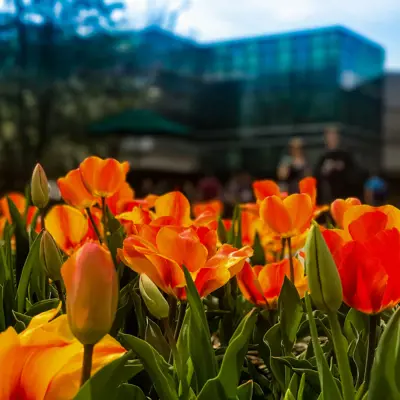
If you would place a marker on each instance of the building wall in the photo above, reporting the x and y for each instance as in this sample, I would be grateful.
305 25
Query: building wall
391 123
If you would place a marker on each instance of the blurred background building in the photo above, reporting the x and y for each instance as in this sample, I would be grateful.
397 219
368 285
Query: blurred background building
72 82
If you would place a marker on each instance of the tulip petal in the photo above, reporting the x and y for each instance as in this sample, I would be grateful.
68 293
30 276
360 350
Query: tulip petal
183 246
275 215
300 209
265 188
367 225
308 186
250 286
210 279
354 213
67 225
174 205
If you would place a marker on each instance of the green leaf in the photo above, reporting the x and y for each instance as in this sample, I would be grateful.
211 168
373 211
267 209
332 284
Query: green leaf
103 384
385 383
300 393
289 395
154 336
42 306
229 374
22 318
222 234
21 238
201 351
259 255
245 391
329 387
272 340
294 362
2 316
290 313
355 323
154 365
31 261
140 316
126 391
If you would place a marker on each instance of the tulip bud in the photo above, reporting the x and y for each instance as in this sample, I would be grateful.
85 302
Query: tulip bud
50 256
154 300
323 276
39 187
92 292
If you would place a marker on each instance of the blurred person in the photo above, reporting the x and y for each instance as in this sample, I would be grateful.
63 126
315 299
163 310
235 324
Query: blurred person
293 167
376 190
335 169
209 187
147 187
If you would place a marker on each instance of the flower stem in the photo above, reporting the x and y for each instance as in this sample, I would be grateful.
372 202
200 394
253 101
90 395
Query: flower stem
87 362
373 323
282 255
96 229
61 296
339 343
289 244
179 322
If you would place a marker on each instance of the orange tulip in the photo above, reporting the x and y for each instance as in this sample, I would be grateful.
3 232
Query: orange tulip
118 202
261 285
92 292
265 188
103 178
133 220
340 206
174 205
367 255
18 199
74 192
44 361
288 217
161 254
68 226
214 207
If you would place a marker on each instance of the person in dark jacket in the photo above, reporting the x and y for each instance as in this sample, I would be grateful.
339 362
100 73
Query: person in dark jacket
334 169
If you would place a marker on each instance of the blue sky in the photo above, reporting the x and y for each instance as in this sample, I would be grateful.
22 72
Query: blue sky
379 20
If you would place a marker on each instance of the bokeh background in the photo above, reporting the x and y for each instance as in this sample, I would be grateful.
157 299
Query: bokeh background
193 89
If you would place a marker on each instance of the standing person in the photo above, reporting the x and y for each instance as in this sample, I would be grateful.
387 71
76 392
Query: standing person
335 169
238 191
293 167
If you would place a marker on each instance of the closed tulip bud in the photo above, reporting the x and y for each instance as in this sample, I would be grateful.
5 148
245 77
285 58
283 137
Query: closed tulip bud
39 187
323 276
154 300
50 257
92 292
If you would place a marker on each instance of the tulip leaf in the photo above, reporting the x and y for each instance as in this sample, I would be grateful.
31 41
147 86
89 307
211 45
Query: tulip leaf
31 261
2 316
385 383
126 391
140 316
155 337
154 365
259 255
21 238
355 324
222 234
42 306
245 391
225 383
272 342
300 392
289 395
290 313
201 351
103 384
25 319
329 387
